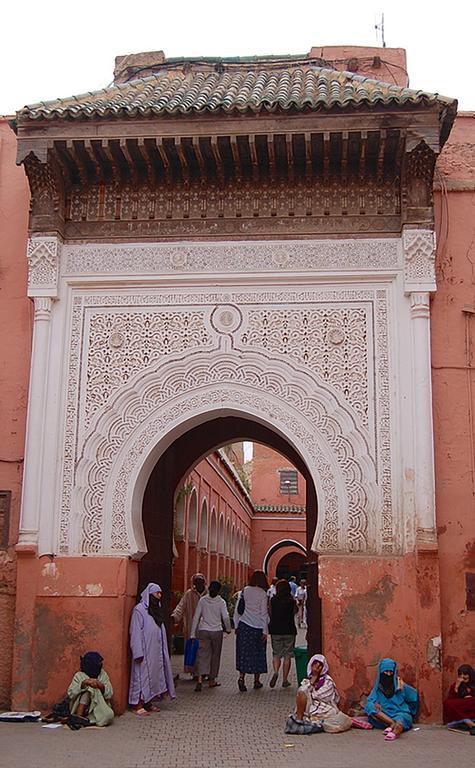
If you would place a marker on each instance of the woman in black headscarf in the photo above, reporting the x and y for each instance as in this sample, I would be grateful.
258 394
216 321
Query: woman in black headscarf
90 691
460 702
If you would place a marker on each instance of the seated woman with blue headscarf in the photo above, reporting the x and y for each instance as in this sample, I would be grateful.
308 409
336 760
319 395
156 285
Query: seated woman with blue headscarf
392 704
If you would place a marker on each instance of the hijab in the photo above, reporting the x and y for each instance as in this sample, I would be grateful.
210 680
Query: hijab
386 683
153 604
466 689
323 673
91 664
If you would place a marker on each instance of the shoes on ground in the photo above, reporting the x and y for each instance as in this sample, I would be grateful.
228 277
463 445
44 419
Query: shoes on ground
286 684
258 685
273 679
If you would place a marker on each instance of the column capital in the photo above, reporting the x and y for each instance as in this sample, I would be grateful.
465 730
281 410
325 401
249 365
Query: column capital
419 259
43 306
43 254
420 304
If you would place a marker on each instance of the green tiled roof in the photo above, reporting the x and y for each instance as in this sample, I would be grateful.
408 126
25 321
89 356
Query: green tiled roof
261 86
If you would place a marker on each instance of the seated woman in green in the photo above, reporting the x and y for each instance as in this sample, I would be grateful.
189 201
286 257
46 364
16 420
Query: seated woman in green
90 691
392 704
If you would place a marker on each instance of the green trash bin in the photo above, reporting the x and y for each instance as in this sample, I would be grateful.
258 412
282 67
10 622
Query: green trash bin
301 661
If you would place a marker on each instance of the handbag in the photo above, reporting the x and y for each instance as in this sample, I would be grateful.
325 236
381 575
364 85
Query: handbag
301 727
191 651
241 606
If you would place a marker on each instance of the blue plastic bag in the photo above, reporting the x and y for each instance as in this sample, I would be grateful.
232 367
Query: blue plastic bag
191 651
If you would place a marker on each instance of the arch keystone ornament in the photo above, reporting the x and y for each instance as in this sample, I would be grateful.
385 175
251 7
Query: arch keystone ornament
143 418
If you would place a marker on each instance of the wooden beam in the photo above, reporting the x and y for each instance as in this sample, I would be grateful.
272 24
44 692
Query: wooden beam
271 154
344 152
236 155
326 153
98 168
105 146
149 167
132 168
381 150
163 157
217 158
362 159
253 155
308 153
77 159
185 168
199 157
290 155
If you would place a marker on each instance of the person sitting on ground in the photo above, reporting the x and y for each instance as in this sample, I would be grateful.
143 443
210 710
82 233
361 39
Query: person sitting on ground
90 691
317 698
459 706
392 704
282 629
211 616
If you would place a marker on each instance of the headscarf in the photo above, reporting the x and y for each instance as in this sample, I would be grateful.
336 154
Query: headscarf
385 683
323 673
91 664
466 689
198 576
153 604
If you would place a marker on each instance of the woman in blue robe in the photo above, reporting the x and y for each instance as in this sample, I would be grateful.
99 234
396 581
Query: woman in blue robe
392 704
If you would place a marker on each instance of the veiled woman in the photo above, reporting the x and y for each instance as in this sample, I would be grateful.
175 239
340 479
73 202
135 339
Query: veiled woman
459 706
392 704
151 673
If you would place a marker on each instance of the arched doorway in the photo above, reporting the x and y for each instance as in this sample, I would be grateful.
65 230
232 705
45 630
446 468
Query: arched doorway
292 564
175 464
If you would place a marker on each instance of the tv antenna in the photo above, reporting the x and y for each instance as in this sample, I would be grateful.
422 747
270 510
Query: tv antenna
380 31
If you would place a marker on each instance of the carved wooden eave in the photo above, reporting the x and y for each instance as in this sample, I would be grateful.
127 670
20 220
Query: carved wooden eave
344 171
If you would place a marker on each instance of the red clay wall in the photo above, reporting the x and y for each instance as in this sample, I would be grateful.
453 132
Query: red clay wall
65 607
453 377
267 531
382 607
15 341
265 479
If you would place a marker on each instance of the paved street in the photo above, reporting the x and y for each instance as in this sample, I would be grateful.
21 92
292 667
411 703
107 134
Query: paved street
223 728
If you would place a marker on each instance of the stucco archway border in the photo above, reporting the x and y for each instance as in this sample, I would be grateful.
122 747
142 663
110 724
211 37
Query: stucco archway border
127 437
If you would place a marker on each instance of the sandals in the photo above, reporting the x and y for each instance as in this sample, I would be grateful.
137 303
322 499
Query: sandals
258 685
215 684
198 687
242 685
286 683
273 680
356 722
142 712
153 708
391 736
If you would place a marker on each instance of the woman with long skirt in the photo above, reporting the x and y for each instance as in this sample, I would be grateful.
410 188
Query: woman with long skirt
251 620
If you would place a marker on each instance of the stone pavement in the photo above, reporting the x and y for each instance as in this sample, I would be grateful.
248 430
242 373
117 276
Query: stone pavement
223 728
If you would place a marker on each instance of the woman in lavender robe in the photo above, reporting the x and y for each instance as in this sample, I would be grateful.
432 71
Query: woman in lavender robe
151 672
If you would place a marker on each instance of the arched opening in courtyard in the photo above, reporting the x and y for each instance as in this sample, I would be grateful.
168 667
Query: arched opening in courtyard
218 543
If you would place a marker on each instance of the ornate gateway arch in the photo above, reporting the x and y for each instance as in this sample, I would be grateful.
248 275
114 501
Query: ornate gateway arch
253 239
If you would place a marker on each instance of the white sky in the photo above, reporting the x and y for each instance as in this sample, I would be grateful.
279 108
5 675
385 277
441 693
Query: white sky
53 48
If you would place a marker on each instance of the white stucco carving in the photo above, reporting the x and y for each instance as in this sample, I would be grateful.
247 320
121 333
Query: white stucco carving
309 338
419 259
43 254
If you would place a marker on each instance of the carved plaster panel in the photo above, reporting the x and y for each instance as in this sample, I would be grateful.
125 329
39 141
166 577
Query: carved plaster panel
340 255
112 357
43 254
419 260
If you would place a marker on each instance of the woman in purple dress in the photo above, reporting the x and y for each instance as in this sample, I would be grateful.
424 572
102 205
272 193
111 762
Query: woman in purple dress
151 672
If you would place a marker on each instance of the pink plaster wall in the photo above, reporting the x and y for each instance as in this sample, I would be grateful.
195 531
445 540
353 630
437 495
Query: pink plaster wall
453 378
265 478
15 341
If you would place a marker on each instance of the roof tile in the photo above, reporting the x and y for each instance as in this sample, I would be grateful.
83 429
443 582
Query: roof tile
257 88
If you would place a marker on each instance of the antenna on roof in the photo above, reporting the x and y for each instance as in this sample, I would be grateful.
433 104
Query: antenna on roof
380 31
